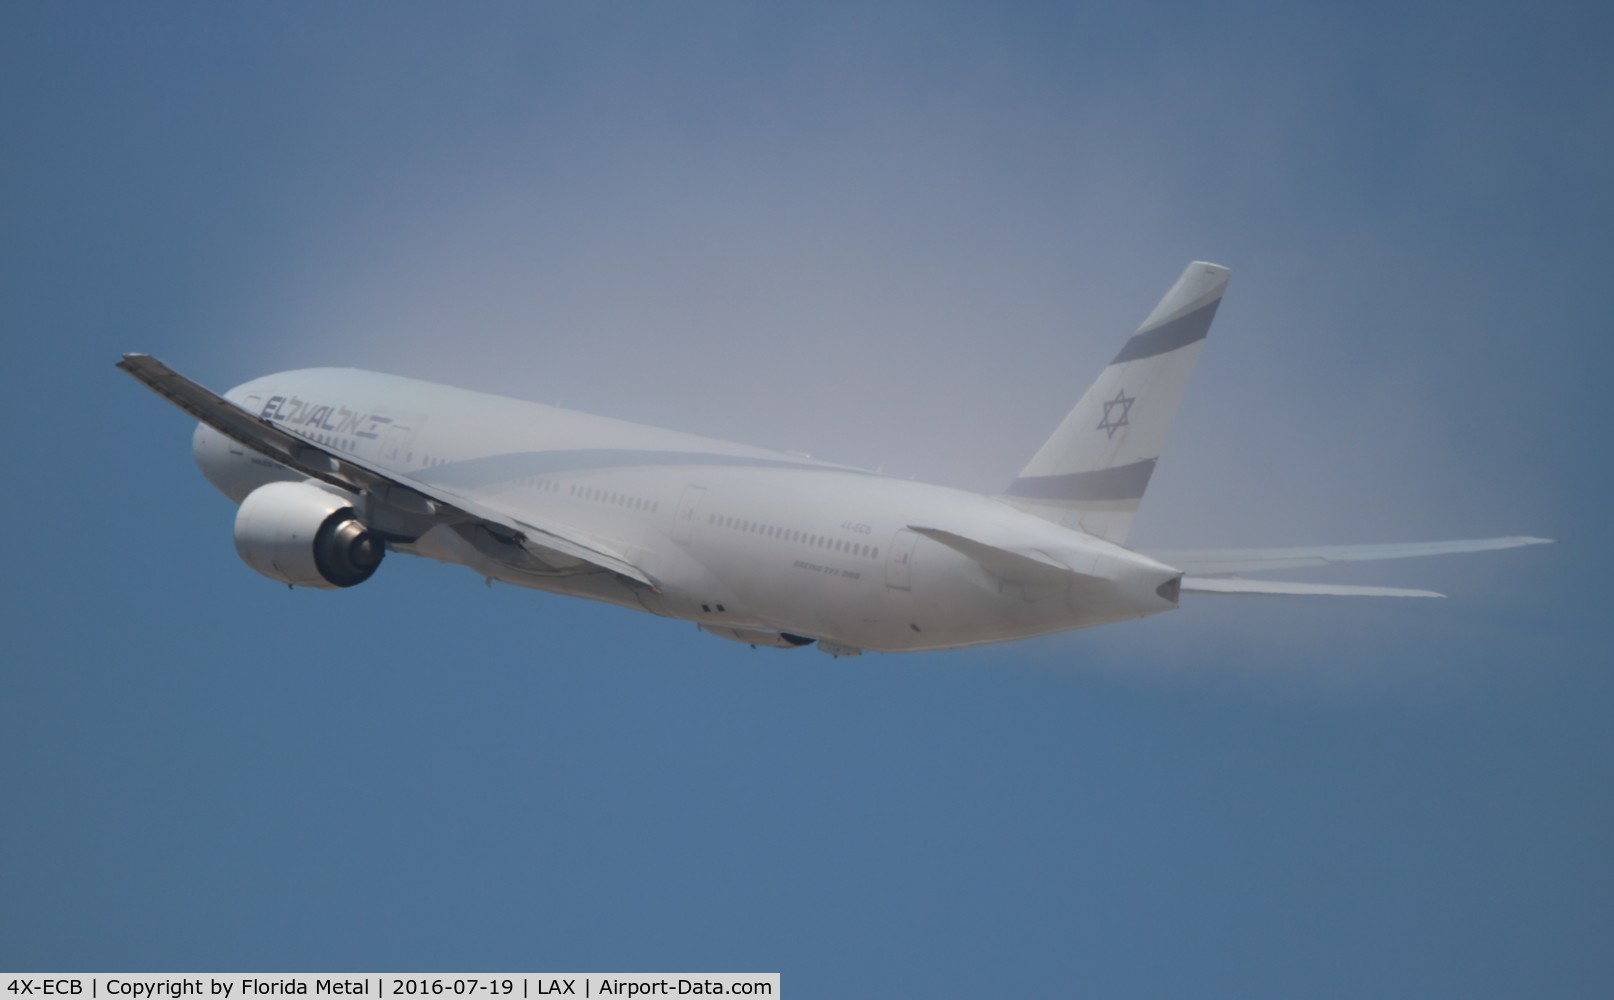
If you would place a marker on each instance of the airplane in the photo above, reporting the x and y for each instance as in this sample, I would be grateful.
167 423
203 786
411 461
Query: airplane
332 468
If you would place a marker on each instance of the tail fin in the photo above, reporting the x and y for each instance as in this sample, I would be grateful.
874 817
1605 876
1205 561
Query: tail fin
1092 472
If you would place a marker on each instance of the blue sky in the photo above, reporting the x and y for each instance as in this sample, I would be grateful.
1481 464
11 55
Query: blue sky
898 235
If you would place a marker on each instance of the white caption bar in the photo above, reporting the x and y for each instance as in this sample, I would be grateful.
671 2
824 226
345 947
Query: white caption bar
383 985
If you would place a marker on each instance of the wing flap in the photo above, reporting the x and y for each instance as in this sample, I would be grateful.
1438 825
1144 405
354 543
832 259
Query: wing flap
351 473
539 540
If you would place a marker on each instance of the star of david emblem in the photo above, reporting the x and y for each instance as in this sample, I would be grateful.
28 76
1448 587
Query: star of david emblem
1115 412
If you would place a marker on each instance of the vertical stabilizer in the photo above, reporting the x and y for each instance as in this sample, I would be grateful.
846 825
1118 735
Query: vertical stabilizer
1092 472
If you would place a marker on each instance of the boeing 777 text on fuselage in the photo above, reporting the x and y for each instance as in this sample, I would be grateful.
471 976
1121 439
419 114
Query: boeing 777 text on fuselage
333 468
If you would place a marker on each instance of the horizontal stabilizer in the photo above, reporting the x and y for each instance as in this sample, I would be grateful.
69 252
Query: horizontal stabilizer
1233 585
1216 561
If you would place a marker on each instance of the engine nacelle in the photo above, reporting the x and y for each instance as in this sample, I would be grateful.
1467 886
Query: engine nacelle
300 534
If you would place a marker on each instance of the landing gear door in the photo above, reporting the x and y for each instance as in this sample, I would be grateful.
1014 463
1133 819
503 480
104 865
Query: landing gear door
899 565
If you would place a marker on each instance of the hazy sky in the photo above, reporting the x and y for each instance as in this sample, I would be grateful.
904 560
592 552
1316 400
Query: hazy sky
895 235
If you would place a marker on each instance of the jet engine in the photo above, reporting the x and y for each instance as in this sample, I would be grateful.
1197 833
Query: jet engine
306 536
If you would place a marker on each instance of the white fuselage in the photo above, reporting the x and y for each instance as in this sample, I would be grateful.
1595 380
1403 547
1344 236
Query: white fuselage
739 539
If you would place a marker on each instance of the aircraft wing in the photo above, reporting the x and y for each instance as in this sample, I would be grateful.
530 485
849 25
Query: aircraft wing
1214 562
1021 563
351 473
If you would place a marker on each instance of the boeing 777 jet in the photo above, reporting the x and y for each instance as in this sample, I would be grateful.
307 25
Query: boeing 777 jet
333 468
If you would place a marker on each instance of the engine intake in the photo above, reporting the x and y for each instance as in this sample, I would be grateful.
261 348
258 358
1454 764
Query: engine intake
301 534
